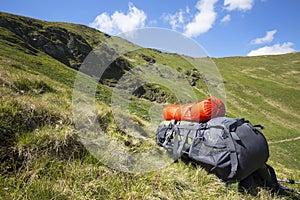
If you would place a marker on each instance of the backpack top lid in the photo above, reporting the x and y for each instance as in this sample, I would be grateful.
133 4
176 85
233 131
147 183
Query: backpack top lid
201 111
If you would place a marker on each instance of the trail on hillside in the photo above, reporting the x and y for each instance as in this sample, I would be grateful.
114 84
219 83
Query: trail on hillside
285 140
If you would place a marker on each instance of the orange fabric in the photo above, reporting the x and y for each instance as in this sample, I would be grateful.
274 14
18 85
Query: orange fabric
202 111
170 111
183 111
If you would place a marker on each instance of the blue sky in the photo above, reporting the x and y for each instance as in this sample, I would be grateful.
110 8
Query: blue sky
223 27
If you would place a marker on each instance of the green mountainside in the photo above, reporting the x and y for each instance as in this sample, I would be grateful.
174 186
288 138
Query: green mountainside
42 157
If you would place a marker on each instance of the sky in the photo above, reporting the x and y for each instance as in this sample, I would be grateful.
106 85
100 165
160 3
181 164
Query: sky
222 27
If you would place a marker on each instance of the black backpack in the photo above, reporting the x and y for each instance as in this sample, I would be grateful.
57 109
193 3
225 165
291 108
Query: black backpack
232 148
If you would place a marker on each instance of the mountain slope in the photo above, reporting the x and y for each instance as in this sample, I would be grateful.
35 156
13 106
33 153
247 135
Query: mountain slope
41 155
266 90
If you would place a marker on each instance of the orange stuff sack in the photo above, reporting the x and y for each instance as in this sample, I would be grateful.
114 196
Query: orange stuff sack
170 111
175 111
184 111
202 111
211 108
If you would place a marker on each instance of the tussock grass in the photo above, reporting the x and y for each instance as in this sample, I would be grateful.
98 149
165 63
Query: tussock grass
37 87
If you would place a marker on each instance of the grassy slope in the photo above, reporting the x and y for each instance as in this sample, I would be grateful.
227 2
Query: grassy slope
266 90
42 158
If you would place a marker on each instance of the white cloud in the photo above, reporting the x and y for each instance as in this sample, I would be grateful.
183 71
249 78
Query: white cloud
120 22
103 23
193 25
226 18
187 9
203 20
267 38
273 50
238 4
175 20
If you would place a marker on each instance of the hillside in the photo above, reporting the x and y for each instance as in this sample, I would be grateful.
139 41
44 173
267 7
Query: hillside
42 156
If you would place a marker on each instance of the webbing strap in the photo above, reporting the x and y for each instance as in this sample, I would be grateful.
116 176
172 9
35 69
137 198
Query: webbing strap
229 141
230 137
182 143
175 130
179 145
233 156
168 134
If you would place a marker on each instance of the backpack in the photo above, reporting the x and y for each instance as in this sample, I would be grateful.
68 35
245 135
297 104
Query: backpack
231 148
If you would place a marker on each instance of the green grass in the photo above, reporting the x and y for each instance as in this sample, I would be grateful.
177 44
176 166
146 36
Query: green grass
43 158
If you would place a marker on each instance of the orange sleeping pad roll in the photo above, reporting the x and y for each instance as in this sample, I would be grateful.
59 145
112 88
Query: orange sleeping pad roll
201 111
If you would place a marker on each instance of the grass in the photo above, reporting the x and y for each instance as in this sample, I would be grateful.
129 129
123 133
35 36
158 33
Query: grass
42 156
